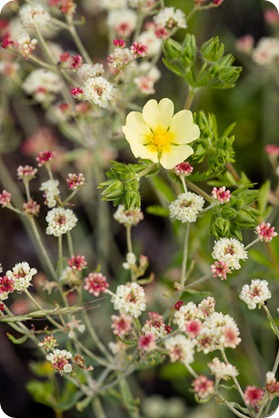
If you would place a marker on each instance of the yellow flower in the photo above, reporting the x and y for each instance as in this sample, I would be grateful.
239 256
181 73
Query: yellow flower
160 136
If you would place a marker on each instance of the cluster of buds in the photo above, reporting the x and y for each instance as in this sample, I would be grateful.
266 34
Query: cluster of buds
96 283
68 7
73 62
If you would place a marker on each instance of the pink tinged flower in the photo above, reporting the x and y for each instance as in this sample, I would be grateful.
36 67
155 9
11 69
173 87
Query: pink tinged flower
271 16
203 387
230 337
253 395
31 207
26 173
245 44
217 2
183 169
168 329
45 157
77 262
121 324
75 62
96 283
178 305
161 32
59 360
77 91
193 328
75 181
147 342
5 198
120 43
220 269
272 150
64 57
271 384
6 284
139 49
221 194
265 232
6 41
207 306
48 343
2 307
257 293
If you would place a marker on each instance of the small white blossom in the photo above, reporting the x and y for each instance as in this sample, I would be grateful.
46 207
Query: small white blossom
180 349
153 43
51 192
25 44
229 250
43 85
120 58
60 360
130 261
98 90
129 299
255 294
123 21
60 221
169 17
186 313
87 70
222 370
186 207
267 51
22 275
33 16
130 217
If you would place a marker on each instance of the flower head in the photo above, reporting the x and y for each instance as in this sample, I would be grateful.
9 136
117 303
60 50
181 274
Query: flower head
96 283
183 169
221 194
253 395
59 360
159 135
203 387
255 294
60 221
77 262
186 207
121 324
130 217
98 90
222 370
180 348
75 181
21 274
147 342
129 299
5 198
230 251
265 232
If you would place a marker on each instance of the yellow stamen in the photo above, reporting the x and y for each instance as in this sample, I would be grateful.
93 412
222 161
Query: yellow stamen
159 140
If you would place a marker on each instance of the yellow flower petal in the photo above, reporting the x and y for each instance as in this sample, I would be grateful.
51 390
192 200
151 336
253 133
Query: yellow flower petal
178 154
158 114
183 127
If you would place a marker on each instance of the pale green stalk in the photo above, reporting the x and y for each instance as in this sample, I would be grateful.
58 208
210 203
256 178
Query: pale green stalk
198 190
185 255
70 244
98 408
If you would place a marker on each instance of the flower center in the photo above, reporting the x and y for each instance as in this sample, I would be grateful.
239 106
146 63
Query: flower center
159 140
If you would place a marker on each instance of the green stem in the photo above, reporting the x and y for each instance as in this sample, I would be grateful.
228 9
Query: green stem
77 40
189 100
60 255
41 247
252 243
146 170
198 190
185 255
182 178
98 408
272 322
228 404
129 238
70 244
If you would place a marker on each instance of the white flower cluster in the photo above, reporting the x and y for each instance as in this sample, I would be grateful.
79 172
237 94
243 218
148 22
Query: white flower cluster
209 330
267 51
98 90
169 17
180 348
42 85
222 370
129 217
230 251
129 299
60 221
257 293
25 44
22 275
33 16
119 58
186 207
123 21
51 192
87 70
130 262
60 360
153 43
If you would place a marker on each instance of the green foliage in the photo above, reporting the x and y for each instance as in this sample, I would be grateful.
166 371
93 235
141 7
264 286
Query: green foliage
122 188
213 149
206 67
228 219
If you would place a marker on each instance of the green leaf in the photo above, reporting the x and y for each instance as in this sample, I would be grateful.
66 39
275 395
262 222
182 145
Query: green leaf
163 188
14 340
157 211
